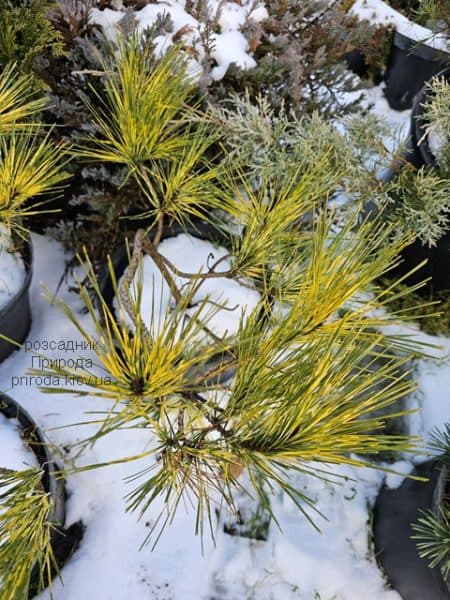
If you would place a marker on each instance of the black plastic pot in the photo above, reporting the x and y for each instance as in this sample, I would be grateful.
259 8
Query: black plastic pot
64 541
419 153
410 65
394 513
15 317
437 268
355 61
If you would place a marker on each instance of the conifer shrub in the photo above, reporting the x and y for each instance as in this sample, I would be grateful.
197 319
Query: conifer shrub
310 374
26 34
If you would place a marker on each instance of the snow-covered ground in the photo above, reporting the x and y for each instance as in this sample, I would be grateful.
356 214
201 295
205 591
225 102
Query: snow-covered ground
14 453
295 562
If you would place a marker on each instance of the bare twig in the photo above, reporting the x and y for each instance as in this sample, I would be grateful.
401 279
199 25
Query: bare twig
126 281
210 274
143 244
159 230
149 248
216 371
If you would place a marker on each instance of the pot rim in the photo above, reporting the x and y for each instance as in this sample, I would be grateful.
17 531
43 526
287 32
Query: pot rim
418 48
27 257
53 485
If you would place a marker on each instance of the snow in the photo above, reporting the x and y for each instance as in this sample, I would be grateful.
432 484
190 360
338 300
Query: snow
437 141
12 269
229 45
299 562
402 468
380 13
259 13
399 121
108 19
433 376
13 452
147 16
231 15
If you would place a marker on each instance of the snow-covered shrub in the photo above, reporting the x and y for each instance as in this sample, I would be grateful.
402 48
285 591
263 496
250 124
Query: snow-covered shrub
288 50
100 195
299 53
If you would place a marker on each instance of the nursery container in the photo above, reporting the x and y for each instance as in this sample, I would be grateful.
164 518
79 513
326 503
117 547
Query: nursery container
419 151
64 542
410 64
394 513
355 61
15 317
35 441
437 267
